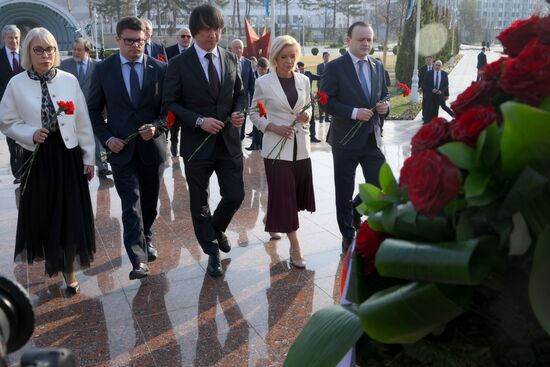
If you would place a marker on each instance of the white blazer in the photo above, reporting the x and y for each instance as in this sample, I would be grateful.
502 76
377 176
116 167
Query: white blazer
20 113
269 91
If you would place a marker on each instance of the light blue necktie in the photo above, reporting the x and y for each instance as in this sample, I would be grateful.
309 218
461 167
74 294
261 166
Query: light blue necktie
363 79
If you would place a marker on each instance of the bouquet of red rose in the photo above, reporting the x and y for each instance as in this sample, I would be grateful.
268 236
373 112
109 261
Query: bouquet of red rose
322 99
456 254
259 107
165 123
66 107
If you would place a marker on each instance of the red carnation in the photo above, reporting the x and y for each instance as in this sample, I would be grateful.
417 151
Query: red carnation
515 37
66 107
405 88
367 243
528 76
170 119
431 135
478 93
323 98
433 181
160 57
468 126
262 109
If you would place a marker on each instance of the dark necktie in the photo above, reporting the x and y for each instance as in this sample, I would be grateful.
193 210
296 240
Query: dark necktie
80 72
213 75
436 80
134 83
14 63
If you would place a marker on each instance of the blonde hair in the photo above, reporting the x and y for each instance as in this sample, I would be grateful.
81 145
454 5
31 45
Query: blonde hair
277 46
44 35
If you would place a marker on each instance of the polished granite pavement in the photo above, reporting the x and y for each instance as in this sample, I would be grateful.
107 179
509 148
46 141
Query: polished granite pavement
179 316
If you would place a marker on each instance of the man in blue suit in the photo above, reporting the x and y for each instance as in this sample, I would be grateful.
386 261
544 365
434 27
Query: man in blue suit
356 89
151 48
129 85
247 75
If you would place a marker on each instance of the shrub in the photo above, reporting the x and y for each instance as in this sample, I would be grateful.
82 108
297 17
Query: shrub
314 51
342 50
394 50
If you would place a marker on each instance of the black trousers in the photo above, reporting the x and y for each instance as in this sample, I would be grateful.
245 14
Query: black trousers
312 122
138 186
16 157
229 171
345 165
432 107
174 133
443 105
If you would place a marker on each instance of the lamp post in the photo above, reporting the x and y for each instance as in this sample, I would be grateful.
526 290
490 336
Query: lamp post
414 87
452 60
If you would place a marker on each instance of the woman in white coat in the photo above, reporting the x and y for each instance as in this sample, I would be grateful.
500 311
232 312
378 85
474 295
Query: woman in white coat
55 220
285 93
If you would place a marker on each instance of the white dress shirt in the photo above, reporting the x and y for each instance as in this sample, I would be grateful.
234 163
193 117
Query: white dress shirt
204 61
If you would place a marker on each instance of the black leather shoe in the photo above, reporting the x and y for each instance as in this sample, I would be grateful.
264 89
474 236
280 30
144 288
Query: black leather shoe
315 140
17 181
152 252
223 242
346 243
250 148
104 173
214 268
141 271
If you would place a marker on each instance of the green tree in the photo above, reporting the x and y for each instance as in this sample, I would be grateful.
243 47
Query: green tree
350 8
469 21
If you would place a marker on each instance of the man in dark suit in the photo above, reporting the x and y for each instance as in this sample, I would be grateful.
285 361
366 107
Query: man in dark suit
129 85
10 65
153 49
184 38
436 90
481 61
311 77
247 75
82 66
356 87
320 70
184 41
204 90
421 74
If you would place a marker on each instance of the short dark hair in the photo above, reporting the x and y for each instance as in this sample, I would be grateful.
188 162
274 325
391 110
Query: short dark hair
263 62
483 49
204 17
300 64
326 52
132 23
357 24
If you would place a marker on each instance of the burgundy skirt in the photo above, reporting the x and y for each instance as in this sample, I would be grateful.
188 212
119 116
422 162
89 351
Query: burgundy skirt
290 189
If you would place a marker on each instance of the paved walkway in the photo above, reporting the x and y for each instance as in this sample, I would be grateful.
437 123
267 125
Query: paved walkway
464 73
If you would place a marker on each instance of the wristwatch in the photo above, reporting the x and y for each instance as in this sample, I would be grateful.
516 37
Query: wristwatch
199 121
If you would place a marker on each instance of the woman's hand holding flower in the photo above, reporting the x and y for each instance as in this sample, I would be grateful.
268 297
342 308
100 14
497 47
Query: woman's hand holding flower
303 118
283 130
40 135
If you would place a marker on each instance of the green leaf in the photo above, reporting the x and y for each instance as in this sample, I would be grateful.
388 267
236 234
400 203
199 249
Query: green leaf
539 290
362 209
525 137
406 213
389 216
375 222
527 187
455 206
377 205
388 182
520 239
407 313
326 338
488 146
434 229
476 183
462 155
357 287
464 227
482 200
369 192
461 262
545 105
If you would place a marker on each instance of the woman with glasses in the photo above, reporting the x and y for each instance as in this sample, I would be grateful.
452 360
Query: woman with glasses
55 221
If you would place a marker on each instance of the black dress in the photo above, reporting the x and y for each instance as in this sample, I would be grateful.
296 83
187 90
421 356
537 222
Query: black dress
55 220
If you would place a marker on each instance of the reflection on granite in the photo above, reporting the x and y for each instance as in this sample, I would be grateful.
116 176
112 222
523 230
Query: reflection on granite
179 316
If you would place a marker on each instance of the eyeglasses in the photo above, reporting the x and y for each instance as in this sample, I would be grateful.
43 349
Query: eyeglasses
48 50
132 41
185 36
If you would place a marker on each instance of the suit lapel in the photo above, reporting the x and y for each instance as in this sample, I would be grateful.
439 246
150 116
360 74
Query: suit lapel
278 90
351 72
373 81
148 80
197 69
224 69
